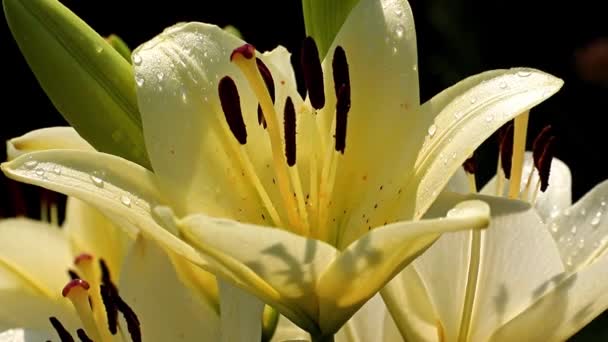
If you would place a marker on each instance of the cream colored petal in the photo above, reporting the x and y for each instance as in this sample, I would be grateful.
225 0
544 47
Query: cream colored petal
369 263
279 267
34 263
412 313
548 204
365 325
166 308
89 231
383 128
469 120
127 191
46 139
581 232
287 331
241 314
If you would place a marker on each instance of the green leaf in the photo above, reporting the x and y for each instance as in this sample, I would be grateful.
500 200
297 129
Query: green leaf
89 83
323 19
120 46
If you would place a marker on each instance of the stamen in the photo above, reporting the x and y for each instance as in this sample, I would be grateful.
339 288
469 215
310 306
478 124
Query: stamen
544 164
538 146
289 124
73 275
231 105
469 165
342 108
133 324
105 272
252 73
506 150
313 73
267 77
261 118
110 305
519 148
83 336
64 335
77 291
247 51
340 70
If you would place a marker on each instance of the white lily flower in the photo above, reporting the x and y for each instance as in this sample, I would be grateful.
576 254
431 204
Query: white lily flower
344 174
539 274
121 289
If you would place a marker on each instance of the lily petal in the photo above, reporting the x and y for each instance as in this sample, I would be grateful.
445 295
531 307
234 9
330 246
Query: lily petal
46 139
279 267
581 232
241 314
369 263
125 190
32 274
379 41
165 307
556 198
24 335
469 120
572 303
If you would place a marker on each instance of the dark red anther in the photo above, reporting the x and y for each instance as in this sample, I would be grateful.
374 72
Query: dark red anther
289 124
340 70
261 118
470 166
267 77
107 297
231 105
74 284
544 163
64 335
133 324
538 146
247 51
82 335
342 108
313 73
506 150
82 257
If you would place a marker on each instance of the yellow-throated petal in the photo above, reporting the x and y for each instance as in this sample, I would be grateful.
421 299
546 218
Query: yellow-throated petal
373 260
241 314
279 267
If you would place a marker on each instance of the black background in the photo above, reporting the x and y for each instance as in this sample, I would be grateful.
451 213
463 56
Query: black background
456 38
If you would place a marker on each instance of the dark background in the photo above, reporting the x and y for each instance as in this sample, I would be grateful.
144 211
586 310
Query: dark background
456 38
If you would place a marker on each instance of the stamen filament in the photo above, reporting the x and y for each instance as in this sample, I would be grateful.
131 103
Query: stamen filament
250 70
86 267
519 148
77 291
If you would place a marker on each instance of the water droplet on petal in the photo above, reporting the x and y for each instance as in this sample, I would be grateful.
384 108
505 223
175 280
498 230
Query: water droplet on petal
458 115
399 31
523 73
398 12
432 130
415 67
554 227
40 172
394 50
503 85
473 100
139 80
30 164
99 49
573 230
57 170
96 178
581 243
125 200
569 261
137 59
595 221
489 118
160 75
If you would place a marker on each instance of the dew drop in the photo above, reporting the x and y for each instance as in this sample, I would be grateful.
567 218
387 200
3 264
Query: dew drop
415 67
489 118
432 130
96 178
398 12
125 200
99 49
603 203
399 31
503 85
160 75
554 227
57 170
394 50
30 164
581 243
458 115
523 73
139 80
40 172
569 261
137 59
595 221
473 100
184 96
573 230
